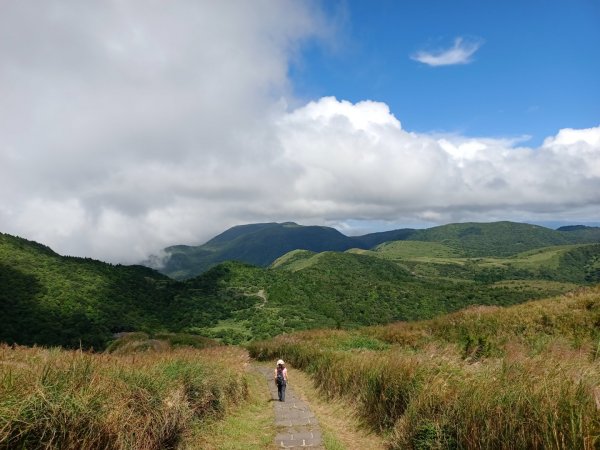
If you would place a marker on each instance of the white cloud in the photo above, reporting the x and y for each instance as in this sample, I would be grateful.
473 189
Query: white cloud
382 172
133 108
128 127
461 52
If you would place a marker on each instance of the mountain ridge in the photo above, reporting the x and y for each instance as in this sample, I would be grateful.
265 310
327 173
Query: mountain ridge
49 299
262 244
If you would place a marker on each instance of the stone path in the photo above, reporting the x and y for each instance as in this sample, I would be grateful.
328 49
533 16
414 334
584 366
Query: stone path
296 424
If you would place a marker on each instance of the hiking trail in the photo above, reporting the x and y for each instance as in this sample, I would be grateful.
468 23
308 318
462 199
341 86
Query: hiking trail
297 426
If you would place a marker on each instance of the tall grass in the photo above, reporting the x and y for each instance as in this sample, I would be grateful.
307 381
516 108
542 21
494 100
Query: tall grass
485 378
55 398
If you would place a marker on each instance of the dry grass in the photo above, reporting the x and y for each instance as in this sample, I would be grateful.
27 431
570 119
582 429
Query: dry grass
336 417
52 399
519 377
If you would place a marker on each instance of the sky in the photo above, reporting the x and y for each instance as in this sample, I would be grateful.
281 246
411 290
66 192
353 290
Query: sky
127 126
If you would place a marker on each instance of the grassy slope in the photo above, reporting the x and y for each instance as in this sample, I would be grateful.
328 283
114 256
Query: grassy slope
150 400
492 239
578 263
520 377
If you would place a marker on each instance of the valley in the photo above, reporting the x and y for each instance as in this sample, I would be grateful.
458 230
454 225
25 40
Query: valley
49 299
438 343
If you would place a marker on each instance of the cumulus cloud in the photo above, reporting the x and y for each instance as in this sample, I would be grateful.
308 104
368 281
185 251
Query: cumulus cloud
126 127
116 114
370 166
461 52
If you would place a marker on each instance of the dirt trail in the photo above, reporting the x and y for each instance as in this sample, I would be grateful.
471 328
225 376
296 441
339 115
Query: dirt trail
262 294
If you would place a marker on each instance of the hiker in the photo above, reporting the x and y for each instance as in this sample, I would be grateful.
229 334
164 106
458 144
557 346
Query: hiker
281 379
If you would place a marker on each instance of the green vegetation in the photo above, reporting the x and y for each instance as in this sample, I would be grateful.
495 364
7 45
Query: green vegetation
250 427
151 400
566 263
501 238
257 244
263 243
485 377
51 299
399 250
135 342
48 299
344 290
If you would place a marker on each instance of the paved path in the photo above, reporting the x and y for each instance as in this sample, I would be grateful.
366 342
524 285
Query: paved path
296 424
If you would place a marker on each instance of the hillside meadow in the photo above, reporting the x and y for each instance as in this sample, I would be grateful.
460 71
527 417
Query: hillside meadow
526 376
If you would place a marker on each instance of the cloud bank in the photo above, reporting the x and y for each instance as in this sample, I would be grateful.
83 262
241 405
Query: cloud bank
128 127
460 53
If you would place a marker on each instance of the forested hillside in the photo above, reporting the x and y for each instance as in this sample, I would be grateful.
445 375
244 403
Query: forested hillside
55 300
46 298
261 244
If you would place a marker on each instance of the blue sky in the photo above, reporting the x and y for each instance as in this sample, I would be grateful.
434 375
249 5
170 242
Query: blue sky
537 69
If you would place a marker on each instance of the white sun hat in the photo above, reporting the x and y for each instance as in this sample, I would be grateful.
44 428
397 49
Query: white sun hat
280 362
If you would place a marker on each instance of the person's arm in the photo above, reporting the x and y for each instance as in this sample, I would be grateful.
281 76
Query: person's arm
285 374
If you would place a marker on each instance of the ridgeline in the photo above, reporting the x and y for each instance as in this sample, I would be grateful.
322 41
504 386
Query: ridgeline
48 299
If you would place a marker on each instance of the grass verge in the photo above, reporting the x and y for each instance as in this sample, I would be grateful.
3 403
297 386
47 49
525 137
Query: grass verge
250 427
59 399
340 424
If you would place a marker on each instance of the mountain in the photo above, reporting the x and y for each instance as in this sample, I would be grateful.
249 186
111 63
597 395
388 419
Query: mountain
501 238
581 233
261 244
49 299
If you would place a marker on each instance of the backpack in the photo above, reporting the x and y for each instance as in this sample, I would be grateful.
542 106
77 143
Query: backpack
280 379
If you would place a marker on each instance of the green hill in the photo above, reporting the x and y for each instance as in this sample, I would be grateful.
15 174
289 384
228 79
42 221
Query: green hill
51 299
492 239
304 289
261 244
257 244
55 300
568 263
